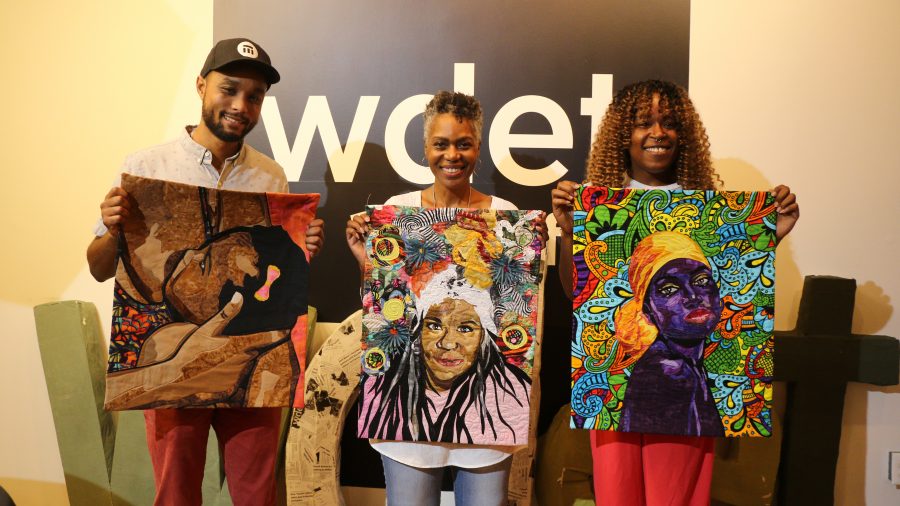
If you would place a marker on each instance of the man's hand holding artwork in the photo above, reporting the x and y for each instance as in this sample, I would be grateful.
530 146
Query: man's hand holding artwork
115 209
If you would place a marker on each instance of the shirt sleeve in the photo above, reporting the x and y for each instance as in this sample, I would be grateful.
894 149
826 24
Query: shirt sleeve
284 185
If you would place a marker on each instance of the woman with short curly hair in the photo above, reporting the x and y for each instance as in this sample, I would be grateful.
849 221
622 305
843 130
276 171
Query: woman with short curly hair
414 470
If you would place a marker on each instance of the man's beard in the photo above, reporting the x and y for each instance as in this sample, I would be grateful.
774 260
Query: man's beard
219 131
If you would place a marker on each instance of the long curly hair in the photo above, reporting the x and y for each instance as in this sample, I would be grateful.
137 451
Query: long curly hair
609 160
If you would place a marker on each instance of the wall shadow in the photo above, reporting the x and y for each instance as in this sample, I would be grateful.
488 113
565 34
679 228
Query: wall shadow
873 309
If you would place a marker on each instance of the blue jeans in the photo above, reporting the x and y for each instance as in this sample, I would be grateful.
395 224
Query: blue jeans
421 486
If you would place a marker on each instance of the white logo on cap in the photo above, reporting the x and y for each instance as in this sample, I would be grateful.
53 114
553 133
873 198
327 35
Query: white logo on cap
247 49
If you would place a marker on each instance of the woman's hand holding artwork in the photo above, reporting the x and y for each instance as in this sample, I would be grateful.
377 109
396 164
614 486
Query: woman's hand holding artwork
540 226
562 199
788 210
315 237
357 228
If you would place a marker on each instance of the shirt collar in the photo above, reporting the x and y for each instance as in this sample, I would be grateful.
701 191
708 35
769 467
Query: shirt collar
641 186
194 148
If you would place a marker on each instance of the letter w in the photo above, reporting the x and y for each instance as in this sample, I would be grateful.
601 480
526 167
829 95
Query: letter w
317 116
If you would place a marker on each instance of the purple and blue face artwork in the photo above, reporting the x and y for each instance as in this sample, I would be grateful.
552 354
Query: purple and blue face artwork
664 339
683 300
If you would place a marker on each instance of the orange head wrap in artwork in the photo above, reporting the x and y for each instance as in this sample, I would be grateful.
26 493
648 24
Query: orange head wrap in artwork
634 329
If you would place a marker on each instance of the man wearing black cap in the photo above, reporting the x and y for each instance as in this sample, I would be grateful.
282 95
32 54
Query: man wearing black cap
232 85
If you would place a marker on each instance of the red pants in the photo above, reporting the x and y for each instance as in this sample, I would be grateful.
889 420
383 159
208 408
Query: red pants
651 470
177 441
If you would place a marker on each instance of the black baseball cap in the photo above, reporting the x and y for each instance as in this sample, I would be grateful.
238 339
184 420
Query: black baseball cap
229 51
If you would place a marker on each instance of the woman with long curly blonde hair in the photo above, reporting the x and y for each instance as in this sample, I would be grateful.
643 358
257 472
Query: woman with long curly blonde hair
650 138
610 158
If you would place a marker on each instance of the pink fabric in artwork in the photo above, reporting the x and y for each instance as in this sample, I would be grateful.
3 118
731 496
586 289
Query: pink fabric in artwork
451 322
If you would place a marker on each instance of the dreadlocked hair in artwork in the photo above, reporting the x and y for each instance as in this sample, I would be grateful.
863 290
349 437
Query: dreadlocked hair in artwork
609 160
407 413
458 104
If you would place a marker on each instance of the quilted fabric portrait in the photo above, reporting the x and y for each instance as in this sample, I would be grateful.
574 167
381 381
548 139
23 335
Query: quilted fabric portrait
673 311
210 298
451 319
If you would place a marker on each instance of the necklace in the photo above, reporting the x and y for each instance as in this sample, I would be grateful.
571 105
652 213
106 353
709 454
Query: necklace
468 197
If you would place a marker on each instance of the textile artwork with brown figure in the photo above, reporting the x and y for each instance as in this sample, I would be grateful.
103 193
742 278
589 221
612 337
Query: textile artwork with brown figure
210 298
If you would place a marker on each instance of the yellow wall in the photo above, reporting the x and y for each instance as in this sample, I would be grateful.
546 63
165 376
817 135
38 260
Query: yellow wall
797 92
805 93
84 83
86 80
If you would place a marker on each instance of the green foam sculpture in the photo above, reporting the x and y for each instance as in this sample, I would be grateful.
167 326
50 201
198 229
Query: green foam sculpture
104 454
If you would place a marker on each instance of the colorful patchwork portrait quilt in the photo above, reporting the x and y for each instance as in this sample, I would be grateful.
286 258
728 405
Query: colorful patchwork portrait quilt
451 321
210 298
673 311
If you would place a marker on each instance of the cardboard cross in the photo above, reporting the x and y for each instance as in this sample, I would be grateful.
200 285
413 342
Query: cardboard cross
817 359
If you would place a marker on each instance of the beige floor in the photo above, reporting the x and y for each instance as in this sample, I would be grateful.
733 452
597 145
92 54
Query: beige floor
29 492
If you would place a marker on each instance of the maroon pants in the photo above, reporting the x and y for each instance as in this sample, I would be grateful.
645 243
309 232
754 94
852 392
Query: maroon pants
177 441
633 469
